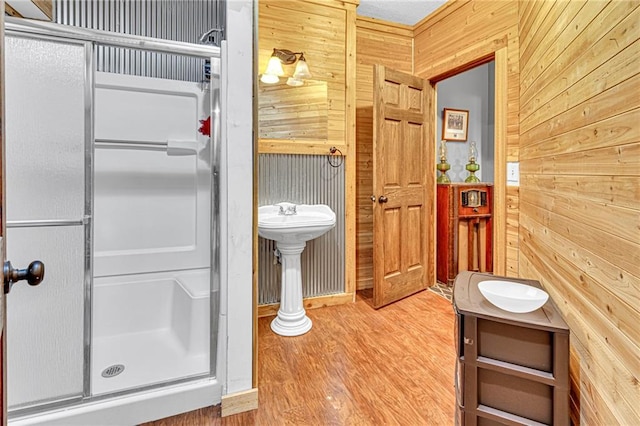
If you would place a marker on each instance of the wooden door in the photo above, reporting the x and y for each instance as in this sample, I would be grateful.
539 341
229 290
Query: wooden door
403 185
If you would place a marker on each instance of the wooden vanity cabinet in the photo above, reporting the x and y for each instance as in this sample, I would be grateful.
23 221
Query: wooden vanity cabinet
511 369
464 229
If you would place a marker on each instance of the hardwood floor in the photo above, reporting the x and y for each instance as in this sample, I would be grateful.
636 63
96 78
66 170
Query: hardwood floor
357 366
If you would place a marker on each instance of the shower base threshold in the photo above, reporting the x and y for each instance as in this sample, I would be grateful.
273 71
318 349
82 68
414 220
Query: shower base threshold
148 357
132 409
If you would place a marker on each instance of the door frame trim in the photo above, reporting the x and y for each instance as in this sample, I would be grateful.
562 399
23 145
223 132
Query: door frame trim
499 56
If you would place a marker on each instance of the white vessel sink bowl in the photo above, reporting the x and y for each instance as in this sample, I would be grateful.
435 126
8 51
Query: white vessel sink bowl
513 297
309 222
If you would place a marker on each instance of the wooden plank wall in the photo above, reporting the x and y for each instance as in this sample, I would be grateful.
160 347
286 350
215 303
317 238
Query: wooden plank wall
391 45
294 113
319 29
456 36
580 190
325 31
573 122
46 6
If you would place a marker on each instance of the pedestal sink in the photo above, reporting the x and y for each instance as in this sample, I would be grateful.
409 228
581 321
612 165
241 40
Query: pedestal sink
291 226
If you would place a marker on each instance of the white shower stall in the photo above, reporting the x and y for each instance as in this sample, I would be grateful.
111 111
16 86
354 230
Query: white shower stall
151 232
111 182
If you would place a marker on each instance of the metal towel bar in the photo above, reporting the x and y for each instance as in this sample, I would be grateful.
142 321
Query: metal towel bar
170 147
47 222
122 144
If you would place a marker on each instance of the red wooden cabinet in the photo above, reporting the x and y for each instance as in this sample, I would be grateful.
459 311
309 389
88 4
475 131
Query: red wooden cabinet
464 229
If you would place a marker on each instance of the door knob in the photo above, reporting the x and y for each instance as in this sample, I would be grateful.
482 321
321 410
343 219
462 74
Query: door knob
34 274
382 199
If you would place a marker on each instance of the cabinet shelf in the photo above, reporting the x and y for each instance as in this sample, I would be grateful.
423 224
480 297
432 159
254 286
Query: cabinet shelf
505 417
516 370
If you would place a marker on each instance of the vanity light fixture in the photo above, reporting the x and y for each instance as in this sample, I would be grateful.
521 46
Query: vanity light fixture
283 56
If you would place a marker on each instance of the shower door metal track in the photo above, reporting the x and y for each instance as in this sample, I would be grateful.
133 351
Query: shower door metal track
106 38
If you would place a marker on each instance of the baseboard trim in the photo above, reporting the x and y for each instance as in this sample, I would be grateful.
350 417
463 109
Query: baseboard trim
309 303
239 402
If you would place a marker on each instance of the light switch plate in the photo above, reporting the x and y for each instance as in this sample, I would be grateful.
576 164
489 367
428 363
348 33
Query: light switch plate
513 173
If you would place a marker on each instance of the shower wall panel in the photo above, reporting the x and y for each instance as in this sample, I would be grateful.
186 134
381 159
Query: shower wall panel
303 179
152 176
177 20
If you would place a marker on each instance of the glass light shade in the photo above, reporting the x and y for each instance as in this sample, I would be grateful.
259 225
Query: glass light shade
294 82
273 71
269 79
302 69
274 67
473 152
443 150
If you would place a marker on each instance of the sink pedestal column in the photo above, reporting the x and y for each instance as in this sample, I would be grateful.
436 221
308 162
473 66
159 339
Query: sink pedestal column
292 319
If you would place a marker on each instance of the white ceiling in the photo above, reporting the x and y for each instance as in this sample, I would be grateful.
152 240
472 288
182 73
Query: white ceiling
408 12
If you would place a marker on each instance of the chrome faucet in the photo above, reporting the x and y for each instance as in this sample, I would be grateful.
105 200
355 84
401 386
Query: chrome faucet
289 211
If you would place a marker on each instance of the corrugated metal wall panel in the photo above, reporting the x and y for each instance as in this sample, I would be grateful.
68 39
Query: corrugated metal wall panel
178 20
303 179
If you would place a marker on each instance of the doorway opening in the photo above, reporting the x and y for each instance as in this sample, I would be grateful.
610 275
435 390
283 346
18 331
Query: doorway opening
473 91
499 213
465 118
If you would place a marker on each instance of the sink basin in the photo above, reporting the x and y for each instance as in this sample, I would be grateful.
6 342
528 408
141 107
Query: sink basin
513 297
308 222
291 226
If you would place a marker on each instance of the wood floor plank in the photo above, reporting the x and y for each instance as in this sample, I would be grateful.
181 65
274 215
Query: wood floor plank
357 366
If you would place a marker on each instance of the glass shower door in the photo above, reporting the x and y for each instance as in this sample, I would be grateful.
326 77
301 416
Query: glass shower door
47 111
122 215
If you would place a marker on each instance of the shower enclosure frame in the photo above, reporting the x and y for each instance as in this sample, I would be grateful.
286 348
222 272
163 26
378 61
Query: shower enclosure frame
91 39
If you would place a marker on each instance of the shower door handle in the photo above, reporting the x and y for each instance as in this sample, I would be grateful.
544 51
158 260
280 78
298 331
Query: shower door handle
34 274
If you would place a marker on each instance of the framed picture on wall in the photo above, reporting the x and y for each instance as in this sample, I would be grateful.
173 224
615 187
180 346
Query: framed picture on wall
455 124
